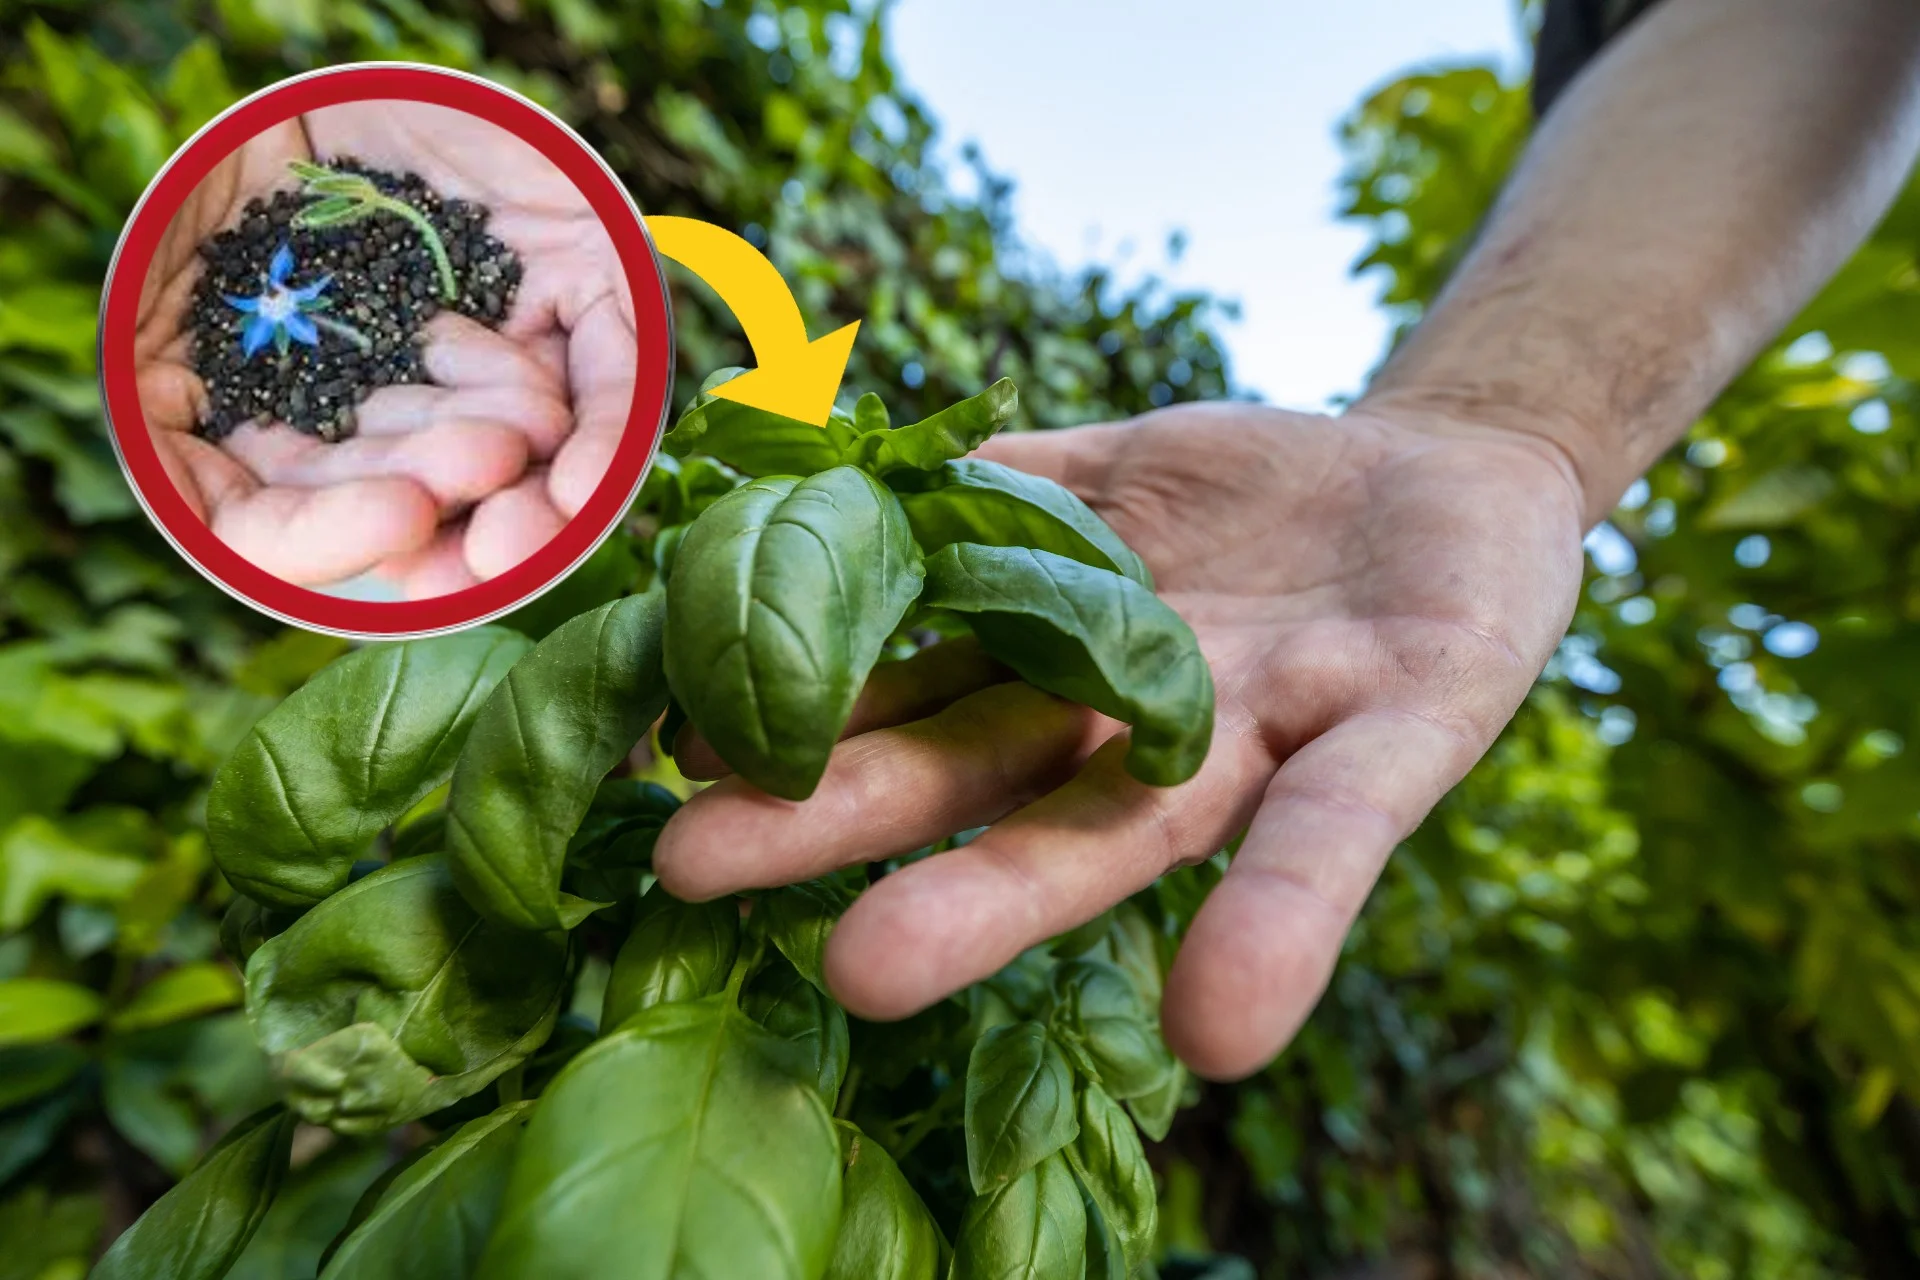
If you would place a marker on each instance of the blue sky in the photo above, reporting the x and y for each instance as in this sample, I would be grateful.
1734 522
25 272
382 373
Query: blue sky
1121 121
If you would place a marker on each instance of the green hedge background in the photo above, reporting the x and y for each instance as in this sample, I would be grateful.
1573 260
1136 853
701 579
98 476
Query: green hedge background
1642 999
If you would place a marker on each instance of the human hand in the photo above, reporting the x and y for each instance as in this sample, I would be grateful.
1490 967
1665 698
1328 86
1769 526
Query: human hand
572 324
315 512
1375 593
303 529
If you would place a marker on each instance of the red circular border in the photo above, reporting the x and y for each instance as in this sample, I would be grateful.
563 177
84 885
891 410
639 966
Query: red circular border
652 323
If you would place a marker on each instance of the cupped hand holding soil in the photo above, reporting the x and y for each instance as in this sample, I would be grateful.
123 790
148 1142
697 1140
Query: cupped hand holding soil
303 533
572 316
434 455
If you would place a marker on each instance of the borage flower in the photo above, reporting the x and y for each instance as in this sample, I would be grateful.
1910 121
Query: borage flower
282 315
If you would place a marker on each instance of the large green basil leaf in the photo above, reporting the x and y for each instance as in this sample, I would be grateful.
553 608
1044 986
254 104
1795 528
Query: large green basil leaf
1032 1228
954 432
686 1144
1100 1017
786 1004
755 441
394 998
198 1229
1019 1103
432 1220
782 596
886 1232
1112 1166
348 752
974 500
676 951
1090 635
799 917
566 714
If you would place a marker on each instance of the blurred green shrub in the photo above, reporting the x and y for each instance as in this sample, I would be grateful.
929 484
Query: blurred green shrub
1643 997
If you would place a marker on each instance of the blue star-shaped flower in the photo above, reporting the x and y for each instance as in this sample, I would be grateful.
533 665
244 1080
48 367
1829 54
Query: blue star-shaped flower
279 314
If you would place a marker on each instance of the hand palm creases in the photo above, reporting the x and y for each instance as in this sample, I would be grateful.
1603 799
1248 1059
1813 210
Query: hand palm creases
448 482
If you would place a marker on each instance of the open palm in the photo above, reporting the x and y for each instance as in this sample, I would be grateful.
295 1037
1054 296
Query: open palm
424 456
305 533
572 321
1375 598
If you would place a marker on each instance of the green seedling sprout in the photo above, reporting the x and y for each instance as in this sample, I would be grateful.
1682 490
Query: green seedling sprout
341 198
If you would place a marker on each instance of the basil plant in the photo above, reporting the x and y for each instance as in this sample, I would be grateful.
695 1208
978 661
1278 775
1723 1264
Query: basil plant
450 930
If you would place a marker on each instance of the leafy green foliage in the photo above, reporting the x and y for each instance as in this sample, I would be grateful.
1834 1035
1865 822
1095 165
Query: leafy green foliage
973 500
538 750
1642 988
783 594
686 1143
785 1003
432 1220
1035 1225
752 441
1019 1103
1111 1167
1102 1019
677 951
1090 635
393 998
316 778
886 1232
198 1229
125 679
929 444
799 917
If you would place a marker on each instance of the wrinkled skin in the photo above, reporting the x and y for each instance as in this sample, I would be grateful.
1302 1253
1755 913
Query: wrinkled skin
1375 594
447 483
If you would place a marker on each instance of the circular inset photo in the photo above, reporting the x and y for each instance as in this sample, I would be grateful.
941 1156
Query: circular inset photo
386 350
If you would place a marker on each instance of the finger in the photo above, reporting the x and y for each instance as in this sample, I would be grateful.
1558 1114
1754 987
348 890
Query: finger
171 396
895 693
549 347
535 412
203 476
942 923
510 526
1077 457
1260 951
312 537
884 793
602 361
161 314
438 569
464 353
458 462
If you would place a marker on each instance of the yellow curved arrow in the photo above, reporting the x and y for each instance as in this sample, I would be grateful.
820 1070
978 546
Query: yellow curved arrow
794 377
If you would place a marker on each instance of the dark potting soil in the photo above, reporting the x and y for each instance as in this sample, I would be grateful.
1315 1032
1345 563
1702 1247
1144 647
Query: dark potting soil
384 285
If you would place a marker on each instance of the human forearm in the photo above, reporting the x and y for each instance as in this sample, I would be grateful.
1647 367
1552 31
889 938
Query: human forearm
1688 194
